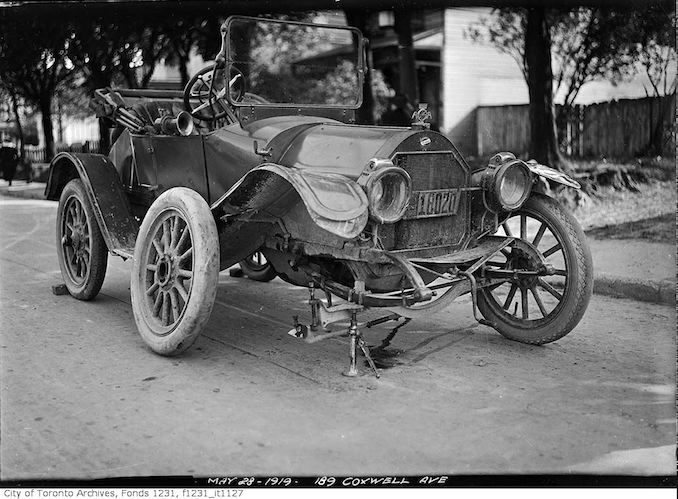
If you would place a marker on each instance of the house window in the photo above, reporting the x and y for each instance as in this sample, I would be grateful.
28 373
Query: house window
386 19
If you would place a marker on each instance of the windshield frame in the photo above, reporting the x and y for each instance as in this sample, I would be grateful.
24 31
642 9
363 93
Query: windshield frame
360 70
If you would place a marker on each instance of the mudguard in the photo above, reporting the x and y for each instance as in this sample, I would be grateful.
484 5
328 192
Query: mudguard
334 202
552 174
105 192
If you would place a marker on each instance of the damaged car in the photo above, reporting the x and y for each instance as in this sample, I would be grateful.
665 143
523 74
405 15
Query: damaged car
261 155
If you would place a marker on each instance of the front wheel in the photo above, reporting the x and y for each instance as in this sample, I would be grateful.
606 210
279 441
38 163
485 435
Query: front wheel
175 272
540 309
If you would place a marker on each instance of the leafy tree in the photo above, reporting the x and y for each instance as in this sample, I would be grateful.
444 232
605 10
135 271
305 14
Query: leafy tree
146 45
94 49
208 39
9 96
182 36
524 35
120 50
35 70
584 44
655 51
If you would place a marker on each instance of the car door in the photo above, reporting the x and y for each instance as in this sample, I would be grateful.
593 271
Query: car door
166 161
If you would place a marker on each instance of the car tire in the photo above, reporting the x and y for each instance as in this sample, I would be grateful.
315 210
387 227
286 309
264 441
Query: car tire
81 249
175 271
557 305
257 268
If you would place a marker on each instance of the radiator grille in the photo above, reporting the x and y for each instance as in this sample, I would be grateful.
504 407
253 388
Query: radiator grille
430 171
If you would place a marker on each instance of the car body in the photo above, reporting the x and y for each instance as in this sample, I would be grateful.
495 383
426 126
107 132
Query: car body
390 217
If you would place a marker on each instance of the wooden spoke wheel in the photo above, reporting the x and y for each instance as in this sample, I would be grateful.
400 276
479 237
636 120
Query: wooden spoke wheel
540 309
81 249
176 270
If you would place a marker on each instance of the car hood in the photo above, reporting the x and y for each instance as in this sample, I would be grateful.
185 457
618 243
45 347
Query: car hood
327 146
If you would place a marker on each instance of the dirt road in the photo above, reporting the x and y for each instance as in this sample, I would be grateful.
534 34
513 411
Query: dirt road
82 397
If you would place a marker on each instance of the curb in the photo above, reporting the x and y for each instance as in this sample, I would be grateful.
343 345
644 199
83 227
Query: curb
20 189
663 292
37 194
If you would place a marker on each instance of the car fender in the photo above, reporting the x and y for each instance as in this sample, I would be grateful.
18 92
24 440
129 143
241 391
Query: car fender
335 203
105 192
552 174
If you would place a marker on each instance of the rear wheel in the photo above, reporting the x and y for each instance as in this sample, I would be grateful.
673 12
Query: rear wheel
258 268
175 272
540 309
81 248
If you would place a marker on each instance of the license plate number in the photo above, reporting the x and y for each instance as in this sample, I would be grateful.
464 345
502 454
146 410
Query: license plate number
436 203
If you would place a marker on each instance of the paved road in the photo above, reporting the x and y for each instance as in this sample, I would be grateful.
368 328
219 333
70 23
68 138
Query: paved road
83 398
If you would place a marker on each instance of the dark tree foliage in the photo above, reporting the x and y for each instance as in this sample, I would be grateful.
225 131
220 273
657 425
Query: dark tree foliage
208 37
94 50
123 50
34 63
183 34
145 47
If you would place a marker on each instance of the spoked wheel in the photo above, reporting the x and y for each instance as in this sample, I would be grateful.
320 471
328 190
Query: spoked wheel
176 271
205 92
81 249
540 309
258 268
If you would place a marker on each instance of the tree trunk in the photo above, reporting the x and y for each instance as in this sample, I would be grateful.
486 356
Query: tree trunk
104 137
48 131
543 138
358 19
408 70
60 122
19 128
183 70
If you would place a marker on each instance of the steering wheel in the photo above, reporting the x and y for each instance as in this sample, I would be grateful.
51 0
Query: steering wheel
208 87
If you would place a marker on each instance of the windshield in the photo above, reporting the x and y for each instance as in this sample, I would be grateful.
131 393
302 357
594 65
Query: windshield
287 63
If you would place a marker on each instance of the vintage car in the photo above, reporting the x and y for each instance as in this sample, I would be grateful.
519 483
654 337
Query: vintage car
260 154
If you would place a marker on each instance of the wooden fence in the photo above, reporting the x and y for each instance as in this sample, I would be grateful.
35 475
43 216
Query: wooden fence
615 129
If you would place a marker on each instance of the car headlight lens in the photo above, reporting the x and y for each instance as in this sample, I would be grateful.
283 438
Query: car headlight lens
513 186
388 191
510 185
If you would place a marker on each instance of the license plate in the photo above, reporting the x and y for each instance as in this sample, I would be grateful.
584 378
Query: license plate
435 203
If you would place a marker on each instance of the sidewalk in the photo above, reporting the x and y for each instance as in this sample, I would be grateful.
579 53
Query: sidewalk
623 268
20 189
636 269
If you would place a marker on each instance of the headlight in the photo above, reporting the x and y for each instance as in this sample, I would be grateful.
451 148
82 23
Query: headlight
508 185
388 191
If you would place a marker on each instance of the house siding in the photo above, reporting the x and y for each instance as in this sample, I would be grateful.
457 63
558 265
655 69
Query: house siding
473 75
